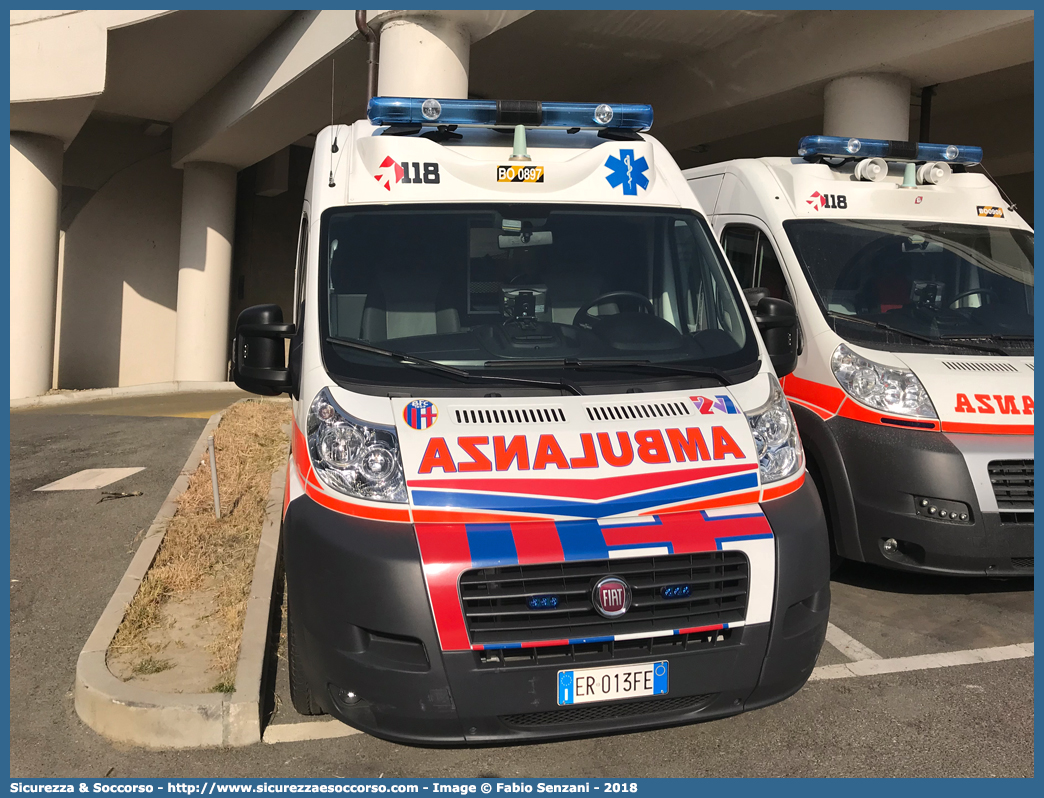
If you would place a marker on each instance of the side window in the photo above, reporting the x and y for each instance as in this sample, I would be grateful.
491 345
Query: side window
741 243
302 262
754 260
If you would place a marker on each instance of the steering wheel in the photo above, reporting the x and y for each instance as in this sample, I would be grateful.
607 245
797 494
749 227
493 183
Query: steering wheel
972 292
583 317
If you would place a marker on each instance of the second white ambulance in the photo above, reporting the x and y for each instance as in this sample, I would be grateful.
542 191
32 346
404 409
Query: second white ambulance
913 282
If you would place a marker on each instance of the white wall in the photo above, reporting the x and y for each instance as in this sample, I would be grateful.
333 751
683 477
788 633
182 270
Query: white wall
120 281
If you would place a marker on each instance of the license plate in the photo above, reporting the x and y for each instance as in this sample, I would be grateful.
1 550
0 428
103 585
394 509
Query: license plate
587 685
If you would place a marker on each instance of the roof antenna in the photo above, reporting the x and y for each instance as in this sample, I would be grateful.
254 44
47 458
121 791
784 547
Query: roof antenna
1011 205
333 86
519 151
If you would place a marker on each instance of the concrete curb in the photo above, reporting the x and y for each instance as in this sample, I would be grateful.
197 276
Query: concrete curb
128 713
94 394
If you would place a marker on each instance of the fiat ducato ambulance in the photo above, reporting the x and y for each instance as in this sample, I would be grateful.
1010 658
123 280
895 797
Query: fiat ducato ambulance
913 281
544 481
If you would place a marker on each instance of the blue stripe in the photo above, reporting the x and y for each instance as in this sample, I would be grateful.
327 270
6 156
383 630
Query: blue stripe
493 646
577 640
491 544
582 540
423 497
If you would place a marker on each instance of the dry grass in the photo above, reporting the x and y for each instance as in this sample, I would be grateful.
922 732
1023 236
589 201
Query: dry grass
149 664
199 551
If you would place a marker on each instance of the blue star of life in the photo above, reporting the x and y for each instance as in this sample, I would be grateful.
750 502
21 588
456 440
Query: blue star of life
628 171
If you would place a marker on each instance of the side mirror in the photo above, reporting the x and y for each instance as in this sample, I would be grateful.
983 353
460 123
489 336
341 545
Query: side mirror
778 324
754 296
258 353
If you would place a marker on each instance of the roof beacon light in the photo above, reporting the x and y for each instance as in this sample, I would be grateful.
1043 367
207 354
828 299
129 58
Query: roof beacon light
407 111
844 147
934 173
875 169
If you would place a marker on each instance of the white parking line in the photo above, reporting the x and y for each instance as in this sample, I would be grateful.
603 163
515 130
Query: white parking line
848 645
920 662
91 478
329 729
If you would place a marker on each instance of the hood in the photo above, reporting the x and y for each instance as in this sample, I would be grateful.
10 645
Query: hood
977 394
575 457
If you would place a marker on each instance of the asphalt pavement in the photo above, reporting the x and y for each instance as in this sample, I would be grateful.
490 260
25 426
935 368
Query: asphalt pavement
68 552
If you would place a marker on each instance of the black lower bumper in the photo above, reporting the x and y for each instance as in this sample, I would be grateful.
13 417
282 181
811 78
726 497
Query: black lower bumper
876 478
365 625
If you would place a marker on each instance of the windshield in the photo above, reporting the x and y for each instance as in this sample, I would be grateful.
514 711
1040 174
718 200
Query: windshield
936 281
507 289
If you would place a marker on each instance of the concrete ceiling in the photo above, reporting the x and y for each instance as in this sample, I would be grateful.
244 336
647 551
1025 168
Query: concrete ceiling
603 49
157 69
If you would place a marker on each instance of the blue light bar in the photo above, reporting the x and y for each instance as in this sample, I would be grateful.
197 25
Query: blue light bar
410 111
843 147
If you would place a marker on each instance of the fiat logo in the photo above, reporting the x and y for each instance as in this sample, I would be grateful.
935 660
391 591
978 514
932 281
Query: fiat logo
611 596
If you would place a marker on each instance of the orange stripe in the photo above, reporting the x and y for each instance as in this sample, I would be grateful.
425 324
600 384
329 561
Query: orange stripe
458 517
988 429
857 412
823 414
779 491
814 393
358 510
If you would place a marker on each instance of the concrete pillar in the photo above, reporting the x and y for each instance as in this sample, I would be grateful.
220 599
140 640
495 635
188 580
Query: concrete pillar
36 191
424 56
873 106
208 216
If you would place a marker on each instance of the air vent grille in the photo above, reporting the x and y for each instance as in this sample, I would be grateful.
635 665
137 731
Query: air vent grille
637 411
978 365
510 415
1012 483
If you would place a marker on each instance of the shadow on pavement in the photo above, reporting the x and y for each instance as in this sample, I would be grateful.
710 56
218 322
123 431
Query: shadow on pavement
872 577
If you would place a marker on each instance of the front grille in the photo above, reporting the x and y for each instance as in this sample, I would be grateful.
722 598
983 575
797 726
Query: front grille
584 654
1012 482
496 609
609 711
1016 517
637 411
1022 563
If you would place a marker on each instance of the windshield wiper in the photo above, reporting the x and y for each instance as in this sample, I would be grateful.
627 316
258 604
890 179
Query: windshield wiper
442 368
610 363
958 340
941 341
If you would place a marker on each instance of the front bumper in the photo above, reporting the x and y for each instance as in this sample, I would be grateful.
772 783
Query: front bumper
359 600
886 471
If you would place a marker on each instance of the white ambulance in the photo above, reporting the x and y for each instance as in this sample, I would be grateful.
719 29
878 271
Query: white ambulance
544 481
913 282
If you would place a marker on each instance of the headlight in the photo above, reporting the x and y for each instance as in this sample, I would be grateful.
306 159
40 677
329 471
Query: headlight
776 437
893 390
361 460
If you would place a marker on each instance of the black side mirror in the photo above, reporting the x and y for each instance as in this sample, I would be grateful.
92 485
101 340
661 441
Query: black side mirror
754 296
778 324
258 356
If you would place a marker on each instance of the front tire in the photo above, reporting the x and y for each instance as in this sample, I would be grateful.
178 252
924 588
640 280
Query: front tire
836 560
300 693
